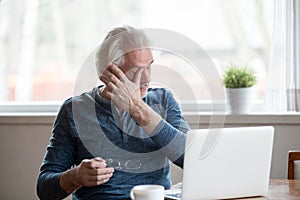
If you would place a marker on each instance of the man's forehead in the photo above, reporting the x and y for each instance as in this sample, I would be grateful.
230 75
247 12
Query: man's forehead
141 66
139 57
139 54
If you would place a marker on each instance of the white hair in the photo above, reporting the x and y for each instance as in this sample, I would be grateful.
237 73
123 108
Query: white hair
116 44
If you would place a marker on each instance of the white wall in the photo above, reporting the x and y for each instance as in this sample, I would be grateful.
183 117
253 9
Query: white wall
24 139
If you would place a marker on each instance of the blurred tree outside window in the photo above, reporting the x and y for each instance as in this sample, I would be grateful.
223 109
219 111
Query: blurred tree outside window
44 43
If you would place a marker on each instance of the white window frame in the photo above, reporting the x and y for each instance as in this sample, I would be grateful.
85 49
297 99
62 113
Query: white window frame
203 106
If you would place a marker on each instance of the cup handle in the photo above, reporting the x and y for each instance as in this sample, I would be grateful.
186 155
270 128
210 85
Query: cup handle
131 194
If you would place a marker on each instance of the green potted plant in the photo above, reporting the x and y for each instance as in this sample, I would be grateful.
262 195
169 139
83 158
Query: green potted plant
239 82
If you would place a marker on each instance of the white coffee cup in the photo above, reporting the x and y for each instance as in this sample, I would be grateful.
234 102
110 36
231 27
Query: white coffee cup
147 192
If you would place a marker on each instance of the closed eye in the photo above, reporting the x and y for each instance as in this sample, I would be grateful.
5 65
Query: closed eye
132 72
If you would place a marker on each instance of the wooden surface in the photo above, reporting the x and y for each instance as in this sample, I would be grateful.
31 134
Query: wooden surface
284 189
281 189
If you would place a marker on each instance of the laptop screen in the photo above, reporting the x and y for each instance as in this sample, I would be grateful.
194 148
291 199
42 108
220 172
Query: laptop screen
237 164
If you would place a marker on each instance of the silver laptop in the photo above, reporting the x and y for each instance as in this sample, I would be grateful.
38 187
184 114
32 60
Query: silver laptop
226 163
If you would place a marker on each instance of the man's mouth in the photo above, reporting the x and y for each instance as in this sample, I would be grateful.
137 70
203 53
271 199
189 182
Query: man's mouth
144 85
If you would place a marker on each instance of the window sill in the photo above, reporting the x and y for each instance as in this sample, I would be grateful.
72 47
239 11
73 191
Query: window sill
194 118
256 118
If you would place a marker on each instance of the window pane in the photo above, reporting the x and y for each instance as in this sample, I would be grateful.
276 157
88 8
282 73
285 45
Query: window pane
43 43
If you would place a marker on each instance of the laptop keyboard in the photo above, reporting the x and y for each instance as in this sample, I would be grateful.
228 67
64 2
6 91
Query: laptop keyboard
174 192
176 195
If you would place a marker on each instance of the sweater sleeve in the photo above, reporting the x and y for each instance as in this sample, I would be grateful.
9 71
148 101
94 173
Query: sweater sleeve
58 158
169 134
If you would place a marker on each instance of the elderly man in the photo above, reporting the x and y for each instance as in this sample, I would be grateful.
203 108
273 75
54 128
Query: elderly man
118 135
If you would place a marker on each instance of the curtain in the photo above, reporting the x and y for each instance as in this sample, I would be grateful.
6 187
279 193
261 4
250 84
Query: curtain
283 90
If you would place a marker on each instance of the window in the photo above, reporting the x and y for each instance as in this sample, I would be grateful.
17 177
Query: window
43 44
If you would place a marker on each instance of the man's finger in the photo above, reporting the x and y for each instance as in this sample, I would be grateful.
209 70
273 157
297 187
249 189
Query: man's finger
98 164
94 163
102 171
109 76
99 159
104 79
117 72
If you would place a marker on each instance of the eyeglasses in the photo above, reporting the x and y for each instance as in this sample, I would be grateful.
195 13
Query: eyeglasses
129 164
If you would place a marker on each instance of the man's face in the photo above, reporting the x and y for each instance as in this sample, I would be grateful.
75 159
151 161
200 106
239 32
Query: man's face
139 60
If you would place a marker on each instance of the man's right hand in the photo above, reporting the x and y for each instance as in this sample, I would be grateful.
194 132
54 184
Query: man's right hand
90 172
119 88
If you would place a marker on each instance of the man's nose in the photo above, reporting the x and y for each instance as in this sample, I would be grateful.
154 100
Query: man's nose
145 75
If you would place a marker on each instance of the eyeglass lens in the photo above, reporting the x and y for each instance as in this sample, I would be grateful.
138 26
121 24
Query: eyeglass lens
129 164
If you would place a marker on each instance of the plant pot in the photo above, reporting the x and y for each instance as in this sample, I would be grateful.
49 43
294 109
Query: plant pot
238 100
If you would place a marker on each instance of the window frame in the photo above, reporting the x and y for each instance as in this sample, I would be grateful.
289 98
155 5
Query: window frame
203 106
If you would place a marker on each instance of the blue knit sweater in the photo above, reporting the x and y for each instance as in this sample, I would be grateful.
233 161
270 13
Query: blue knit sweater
88 126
